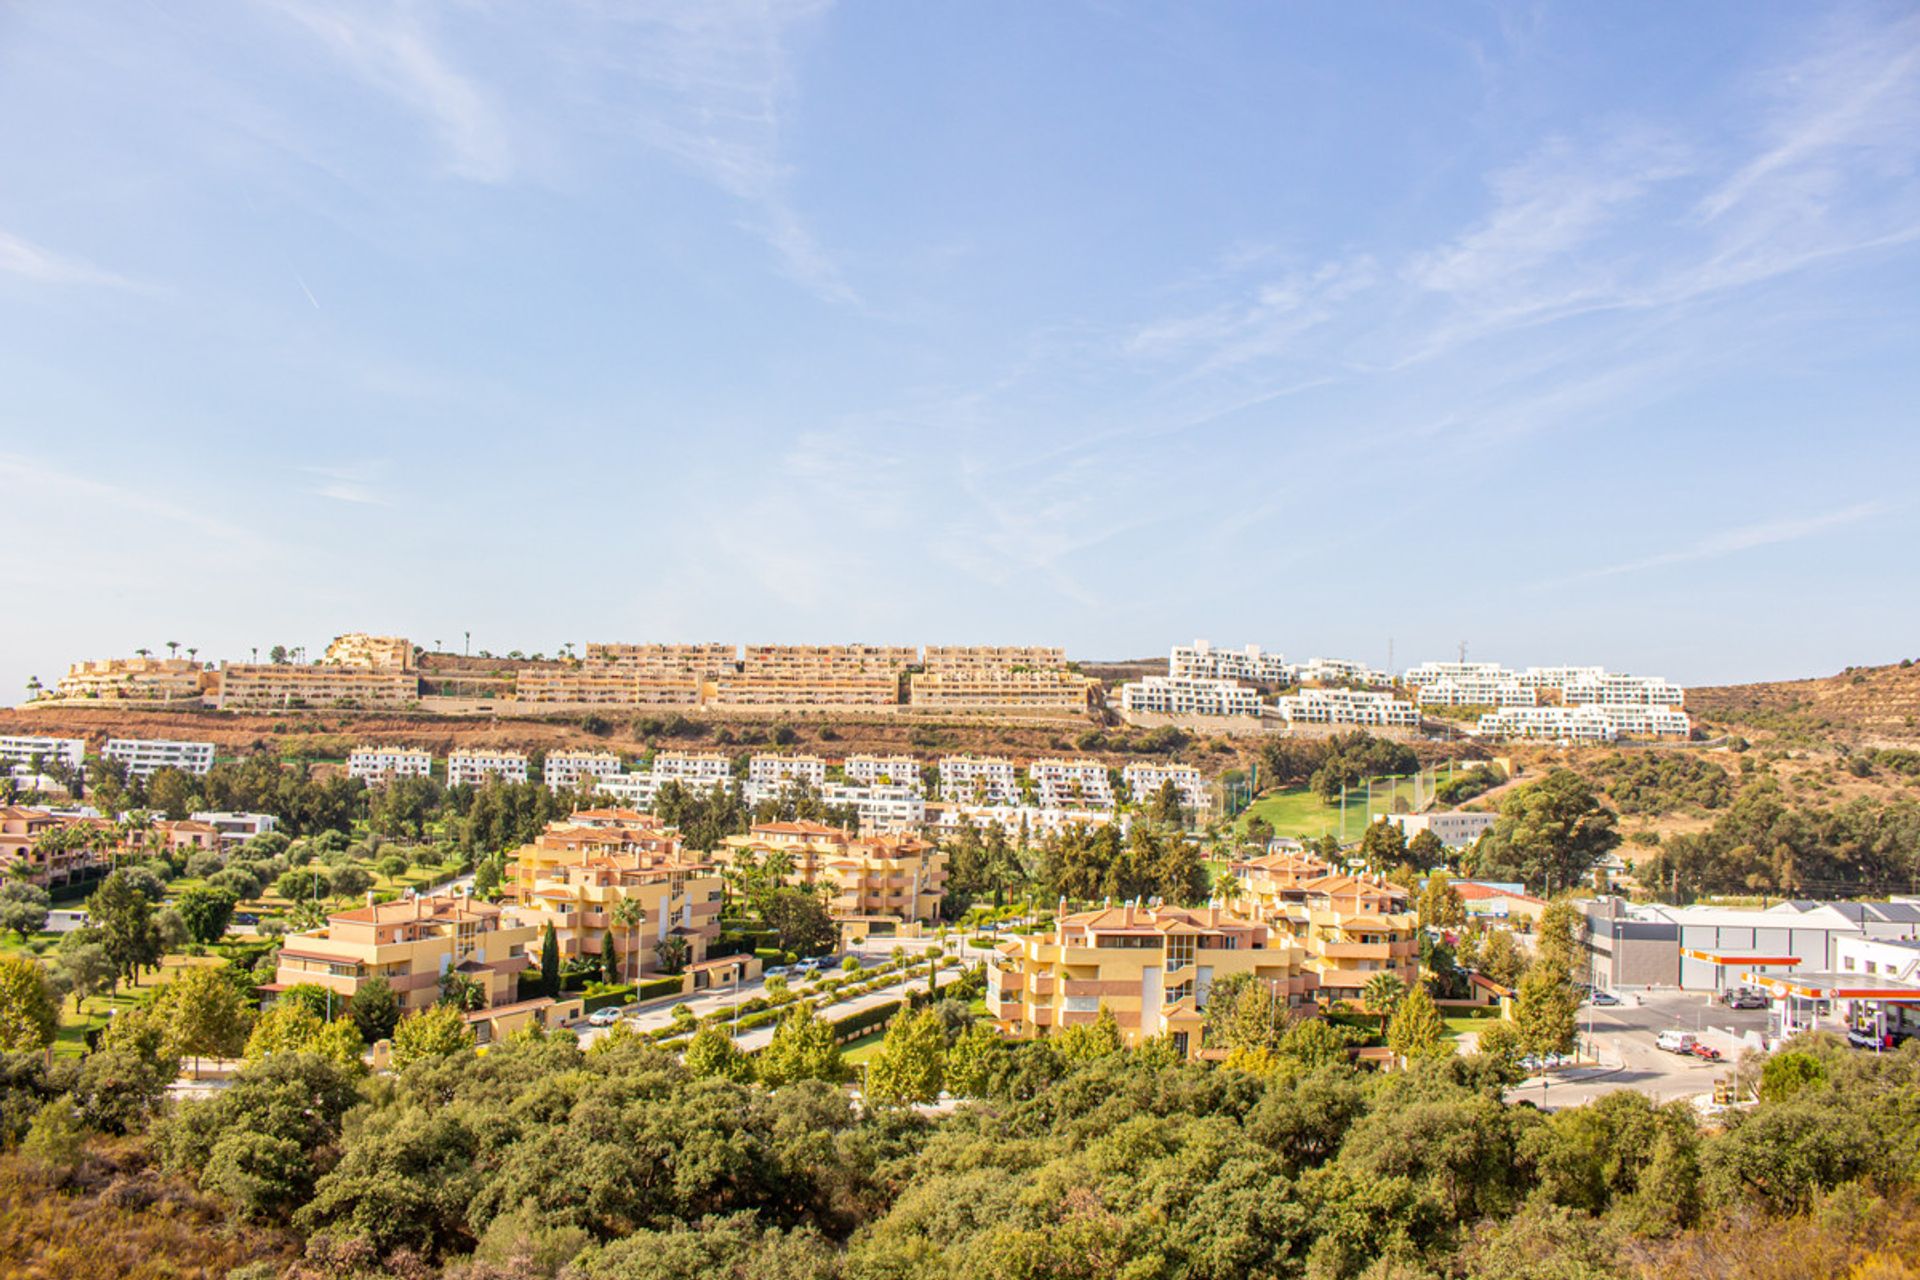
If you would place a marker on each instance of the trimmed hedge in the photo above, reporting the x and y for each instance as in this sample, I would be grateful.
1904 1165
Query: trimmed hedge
855 1025
612 996
654 988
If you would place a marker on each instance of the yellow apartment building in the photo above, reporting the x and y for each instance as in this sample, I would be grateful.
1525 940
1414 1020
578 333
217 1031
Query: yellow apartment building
27 854
246 684
892 879
990 689
378 653
575 875
1152 966
690 659
411 943
134 680
960 657
814 676
1353 927
620 686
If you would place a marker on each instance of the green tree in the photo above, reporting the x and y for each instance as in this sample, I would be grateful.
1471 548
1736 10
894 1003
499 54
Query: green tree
204 1014
1315 1043
437 1032
609 958
23 907
1426 852
1500 958
1090 1041
124 1080
549 962
629 915
1549 834
711 1053
1546 1013
911 1061
29 1012
375 1009
1440 905
311 996
206 912
802 1048
1499 1043
1417 1030
1243 1013
124 917
1788 1073
975 1061
799 920
81 967
290 1028
1383 846
1561 937
462 992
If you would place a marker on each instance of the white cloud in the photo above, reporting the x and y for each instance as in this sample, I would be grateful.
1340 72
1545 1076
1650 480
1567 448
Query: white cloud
394 53
1748 538
21 257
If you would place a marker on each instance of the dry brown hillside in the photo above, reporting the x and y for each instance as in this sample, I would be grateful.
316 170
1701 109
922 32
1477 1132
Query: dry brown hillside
1862 706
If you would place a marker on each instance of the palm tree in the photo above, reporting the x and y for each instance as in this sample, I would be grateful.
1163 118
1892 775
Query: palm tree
193 654
173 648
145 653
630 915
1383 994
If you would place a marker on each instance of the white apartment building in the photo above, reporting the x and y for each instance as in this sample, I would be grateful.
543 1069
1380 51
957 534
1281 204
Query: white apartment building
979 780
474 765
1071 784
237 828
881 808
774 772
1557 678
1328 670
1189 696
1346 706
144 756
1617 689
1201 661
565 770
705 768
1461 672
1145 780
633 790
375 764
1647 722
1454 829
25 750
1015 819
895 771
1561 724
1476 691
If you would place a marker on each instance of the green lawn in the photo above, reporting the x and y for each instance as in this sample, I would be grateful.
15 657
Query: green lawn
1298 812
862 1050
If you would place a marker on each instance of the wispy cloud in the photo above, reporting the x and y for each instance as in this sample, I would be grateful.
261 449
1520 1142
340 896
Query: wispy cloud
711 86
1746 538
353 485
397 54
22 257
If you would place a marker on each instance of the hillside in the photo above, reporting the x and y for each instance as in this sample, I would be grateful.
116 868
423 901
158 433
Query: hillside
1861 706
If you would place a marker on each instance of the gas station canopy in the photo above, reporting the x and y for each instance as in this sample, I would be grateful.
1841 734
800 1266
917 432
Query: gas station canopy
1838 986
1735 959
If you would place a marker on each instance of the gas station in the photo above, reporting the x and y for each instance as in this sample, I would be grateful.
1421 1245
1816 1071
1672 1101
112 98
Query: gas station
1871 1004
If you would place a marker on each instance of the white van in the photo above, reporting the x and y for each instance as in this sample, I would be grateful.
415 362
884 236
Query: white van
1677 1041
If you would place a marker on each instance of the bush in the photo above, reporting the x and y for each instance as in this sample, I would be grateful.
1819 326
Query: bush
607 997
654 988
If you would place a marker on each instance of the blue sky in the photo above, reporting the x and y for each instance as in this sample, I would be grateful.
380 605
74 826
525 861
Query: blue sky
1579 333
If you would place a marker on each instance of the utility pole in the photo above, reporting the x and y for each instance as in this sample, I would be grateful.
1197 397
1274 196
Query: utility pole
1463 653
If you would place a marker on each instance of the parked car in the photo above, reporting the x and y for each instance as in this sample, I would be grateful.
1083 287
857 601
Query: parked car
1743 998
604 1017
1705 1052
1677 1041
1604 999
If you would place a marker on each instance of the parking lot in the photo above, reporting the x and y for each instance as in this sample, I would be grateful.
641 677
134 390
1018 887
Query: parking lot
1625 1039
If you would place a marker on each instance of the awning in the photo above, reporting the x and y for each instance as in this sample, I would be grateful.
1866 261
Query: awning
1838 986
1750 959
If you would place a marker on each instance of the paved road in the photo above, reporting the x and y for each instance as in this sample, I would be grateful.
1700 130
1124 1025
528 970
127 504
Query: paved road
1624 1038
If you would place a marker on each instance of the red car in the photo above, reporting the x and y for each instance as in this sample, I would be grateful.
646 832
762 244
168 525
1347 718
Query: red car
1705 1052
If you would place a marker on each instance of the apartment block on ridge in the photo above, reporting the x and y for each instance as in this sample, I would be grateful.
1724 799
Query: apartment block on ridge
378 653
896 771
1201 661
1145 780
1189 696
1346 706
134 680
1071 784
